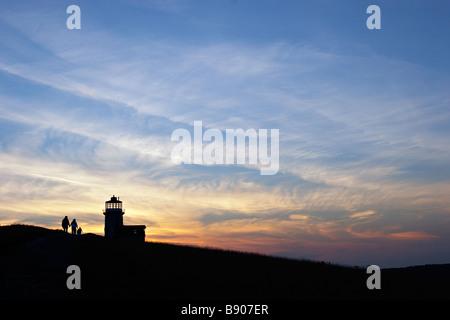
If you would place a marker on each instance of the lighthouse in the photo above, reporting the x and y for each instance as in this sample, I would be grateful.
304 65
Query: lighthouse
113 217
114 227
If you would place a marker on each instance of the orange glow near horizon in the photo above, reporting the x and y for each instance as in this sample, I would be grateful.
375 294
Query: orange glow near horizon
237 216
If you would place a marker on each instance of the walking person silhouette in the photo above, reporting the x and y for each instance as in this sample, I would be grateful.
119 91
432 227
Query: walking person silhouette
74 226
65 224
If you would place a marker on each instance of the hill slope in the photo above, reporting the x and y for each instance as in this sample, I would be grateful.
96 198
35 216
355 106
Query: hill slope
34 263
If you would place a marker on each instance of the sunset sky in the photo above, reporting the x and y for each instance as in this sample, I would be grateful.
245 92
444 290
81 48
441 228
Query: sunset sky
363 118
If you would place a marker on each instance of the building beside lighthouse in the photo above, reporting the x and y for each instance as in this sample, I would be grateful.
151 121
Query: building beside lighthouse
114 227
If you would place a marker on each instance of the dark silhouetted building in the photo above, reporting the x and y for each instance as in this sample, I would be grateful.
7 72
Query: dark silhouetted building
114 227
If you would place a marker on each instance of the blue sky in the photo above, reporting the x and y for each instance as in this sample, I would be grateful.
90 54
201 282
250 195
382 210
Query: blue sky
363 117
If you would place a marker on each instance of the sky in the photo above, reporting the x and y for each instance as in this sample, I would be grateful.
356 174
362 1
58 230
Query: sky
363 118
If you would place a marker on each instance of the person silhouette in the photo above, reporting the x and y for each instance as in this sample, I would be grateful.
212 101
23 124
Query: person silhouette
65 224
79 230
74 226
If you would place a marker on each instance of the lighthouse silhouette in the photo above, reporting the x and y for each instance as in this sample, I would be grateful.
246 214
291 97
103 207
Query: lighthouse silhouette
114 227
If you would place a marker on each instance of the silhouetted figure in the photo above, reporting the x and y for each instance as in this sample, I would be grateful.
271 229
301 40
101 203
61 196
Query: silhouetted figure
74 226
65 224
79 230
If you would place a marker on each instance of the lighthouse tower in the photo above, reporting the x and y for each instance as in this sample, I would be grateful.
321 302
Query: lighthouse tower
114 227
113 217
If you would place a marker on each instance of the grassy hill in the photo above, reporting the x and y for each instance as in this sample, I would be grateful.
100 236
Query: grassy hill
35 259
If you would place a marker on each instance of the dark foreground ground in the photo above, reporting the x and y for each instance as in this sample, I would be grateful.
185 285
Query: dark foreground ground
34 261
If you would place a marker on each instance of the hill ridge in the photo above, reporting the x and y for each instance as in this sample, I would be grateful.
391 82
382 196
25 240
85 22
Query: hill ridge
36 258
